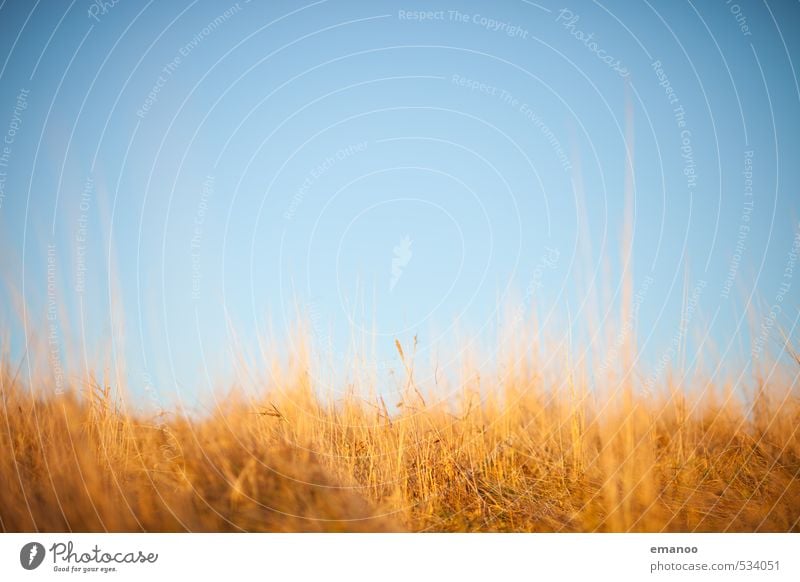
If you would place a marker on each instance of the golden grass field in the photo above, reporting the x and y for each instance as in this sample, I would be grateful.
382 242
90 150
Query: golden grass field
529 449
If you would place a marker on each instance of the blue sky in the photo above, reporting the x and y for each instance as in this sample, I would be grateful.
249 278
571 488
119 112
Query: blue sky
398 168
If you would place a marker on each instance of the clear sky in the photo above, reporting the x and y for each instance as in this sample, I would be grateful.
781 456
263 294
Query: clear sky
401 167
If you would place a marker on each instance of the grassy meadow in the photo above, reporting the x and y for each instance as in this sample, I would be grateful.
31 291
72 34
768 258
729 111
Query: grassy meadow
528 448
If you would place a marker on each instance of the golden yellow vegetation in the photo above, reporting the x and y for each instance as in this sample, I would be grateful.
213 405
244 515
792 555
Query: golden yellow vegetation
525 450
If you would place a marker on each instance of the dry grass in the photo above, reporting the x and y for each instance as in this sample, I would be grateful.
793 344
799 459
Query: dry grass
525 450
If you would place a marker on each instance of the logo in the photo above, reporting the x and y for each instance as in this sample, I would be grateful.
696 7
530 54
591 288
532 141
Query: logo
401 258
31 555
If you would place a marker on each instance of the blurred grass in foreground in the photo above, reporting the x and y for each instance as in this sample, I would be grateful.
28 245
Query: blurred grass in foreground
525 450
